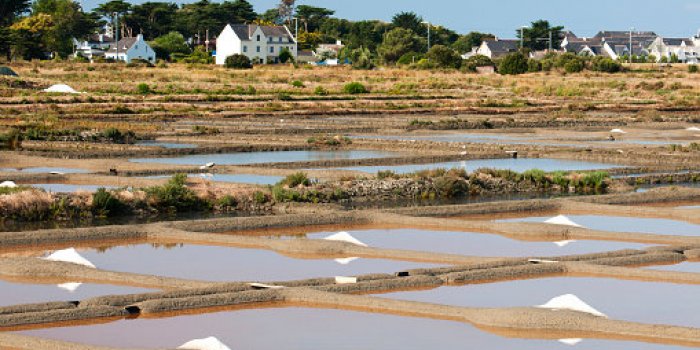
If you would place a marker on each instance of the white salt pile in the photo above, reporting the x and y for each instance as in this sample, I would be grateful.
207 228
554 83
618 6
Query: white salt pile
571 302
69 255
71 287
345 261
618 131
345 237
210 343
8 184
561 220
62 89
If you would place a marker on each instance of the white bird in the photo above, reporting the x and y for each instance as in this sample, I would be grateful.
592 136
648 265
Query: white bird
571 302
345 237
618 131
210 343
8 184
69 255
463 153
57 173
562 220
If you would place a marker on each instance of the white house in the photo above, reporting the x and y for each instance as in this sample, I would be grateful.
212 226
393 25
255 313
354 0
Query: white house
687 50
129 49
261 44
496 48
94 46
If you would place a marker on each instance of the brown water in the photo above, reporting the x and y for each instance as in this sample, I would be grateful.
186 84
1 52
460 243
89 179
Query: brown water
310 329
12 293
230 264
645 302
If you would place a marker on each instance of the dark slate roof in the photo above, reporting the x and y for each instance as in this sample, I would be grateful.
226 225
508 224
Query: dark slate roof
245 31
503 46
623 34
123 44
678 41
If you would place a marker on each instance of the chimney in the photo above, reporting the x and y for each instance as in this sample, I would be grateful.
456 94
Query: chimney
139 37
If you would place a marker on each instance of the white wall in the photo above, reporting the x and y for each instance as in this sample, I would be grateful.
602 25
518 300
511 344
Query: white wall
227 44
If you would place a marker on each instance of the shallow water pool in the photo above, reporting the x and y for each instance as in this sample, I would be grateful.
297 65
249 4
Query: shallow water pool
625 224
12 293
241 158
233 178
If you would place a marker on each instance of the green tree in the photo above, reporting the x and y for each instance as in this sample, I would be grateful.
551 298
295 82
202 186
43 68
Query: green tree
169 44
286 10
410 21
69 21
199 55
9 11
312 17
444 57
152 19
361 58
29 36
605 64
536 37
513 64
472 63
465 43
110 8
398 42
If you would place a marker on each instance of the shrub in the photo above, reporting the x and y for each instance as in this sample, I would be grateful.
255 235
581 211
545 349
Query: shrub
574 66
285 56
175 195
104 203
386 174
11 140
533 66
605 64
228 201
513 64
238 61
409 58
295 180
298 84
320 91
472 63
355 88
361 58
444 57
259 197
693 68
143 89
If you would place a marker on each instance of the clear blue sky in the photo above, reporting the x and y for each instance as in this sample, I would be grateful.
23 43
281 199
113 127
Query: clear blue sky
672 18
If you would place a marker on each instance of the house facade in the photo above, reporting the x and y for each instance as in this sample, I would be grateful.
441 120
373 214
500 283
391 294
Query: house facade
612 44
129 49
95 46
496 48
686 50
261 44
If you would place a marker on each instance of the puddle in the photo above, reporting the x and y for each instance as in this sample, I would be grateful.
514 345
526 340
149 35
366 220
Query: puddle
165 144
309 329
266 157
475 244
41 170
68 188
233 178
686 266
645 302
624 224
24 293
518 165
210 263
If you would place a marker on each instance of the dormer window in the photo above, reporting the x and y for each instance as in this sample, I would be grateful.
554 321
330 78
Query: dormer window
258 38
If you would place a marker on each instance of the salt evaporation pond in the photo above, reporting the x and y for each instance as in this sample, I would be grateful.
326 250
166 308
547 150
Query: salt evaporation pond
233 178
686 266
517 165
12 293
475 244
241 158
625 224
211 263
166 144
636 301
46 170
310 329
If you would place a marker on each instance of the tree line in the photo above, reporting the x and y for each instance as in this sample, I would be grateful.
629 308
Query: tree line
33 29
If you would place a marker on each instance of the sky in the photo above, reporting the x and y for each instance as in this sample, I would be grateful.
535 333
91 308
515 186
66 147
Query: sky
670 18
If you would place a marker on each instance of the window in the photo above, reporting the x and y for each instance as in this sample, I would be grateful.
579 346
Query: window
136 47
245 48
280 39
272 49
258 37
269 40
258 49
